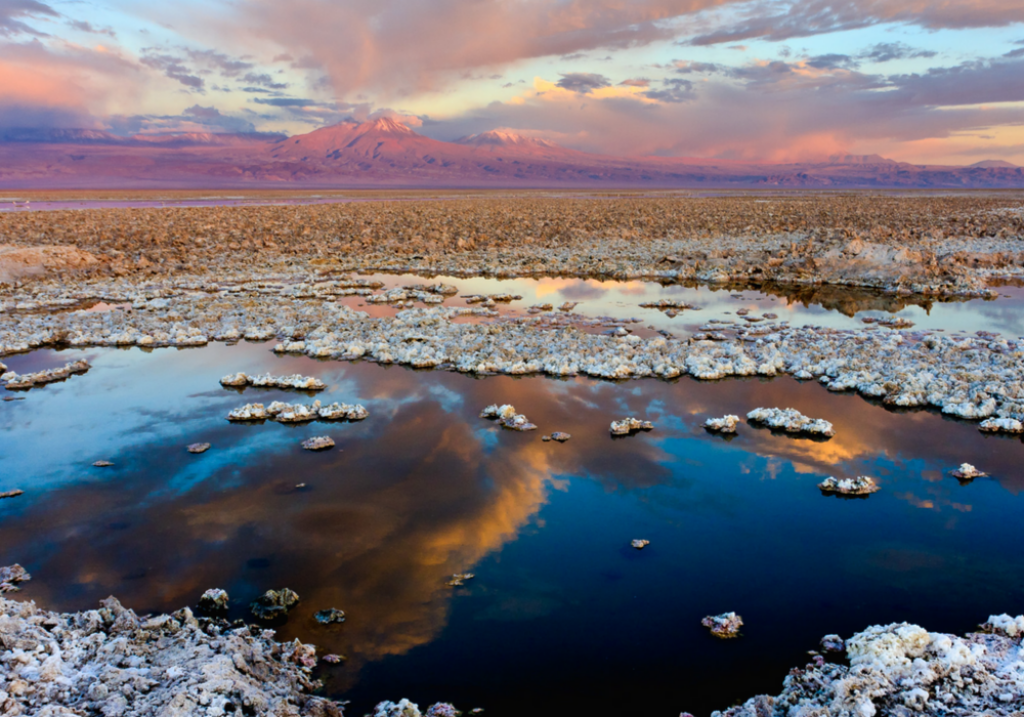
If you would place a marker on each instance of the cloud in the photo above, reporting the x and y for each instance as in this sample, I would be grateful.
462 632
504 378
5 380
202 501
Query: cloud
778 21
63 86
264 80
888 51
684 67
583 82
224 64
674 89
12 10
83 26
174 68
637 82
395 48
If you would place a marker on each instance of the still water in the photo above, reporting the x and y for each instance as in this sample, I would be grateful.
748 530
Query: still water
563 614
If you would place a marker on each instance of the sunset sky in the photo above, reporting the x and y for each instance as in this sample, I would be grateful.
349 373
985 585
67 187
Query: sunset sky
926 81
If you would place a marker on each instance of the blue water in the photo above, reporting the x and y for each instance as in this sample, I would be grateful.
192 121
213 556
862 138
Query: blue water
563 614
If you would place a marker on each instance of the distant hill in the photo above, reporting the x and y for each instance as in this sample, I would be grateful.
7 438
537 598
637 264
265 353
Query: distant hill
385 152
993 164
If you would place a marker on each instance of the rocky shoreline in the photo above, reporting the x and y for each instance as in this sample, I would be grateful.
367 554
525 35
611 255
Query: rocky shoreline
111 661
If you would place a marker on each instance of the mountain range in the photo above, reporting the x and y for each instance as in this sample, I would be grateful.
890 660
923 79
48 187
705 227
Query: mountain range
386 153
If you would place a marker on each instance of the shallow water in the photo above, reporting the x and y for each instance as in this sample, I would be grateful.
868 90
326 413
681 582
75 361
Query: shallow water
563 614
832 306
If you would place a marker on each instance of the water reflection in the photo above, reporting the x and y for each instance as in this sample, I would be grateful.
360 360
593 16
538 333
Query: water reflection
828 305
563 613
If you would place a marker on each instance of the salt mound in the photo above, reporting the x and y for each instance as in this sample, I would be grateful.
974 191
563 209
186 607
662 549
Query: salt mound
791 421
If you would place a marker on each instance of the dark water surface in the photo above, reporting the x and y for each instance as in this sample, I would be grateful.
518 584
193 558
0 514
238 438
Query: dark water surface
563 616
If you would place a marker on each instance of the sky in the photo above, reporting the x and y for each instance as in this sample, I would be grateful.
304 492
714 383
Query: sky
924 81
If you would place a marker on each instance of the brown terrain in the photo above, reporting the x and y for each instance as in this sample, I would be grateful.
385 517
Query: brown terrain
384 152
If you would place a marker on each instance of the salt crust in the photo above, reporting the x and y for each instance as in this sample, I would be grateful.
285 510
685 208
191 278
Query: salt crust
727 625
112 662
791 421
725 424
902 669
861 485
630 425
298 412
318 443
14 380
405 708
508 418
970 377
304 383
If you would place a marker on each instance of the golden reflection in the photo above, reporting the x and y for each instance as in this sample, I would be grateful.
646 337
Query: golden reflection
425 488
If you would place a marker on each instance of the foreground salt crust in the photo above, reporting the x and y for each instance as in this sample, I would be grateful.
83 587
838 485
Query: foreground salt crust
902 669
112 662
791 421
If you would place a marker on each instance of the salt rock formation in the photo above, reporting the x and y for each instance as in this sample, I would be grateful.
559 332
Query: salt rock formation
318 443
640 543
1001 425
459 579
297 381
560 436
861 485
111 662
11 494
968 472
1004 625
298 413
506 415
10 576
214 600
791 421
725 424
14 380
332 616
405 708
725 626
274 604
902 669
832 643
198 447
630 425
669 304
102 464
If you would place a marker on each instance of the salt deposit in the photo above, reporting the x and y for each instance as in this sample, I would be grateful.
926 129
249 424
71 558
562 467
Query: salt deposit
103 464
405 708
459 579
640 543
902 669
861 485
1001 425
304 383
274 604
725 424
560 436
14 380
10 576
319 443
791 421
214 600
726 625
968 472
331 616
298 412
112 662
506 416
11 494
198 447
630 425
